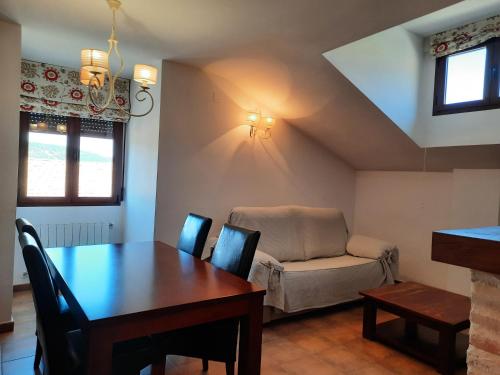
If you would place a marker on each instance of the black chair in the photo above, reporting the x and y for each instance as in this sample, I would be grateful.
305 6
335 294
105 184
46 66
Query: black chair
216 341
63 351
194 234
68 321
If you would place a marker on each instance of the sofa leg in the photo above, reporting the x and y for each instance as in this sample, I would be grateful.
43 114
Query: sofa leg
205 364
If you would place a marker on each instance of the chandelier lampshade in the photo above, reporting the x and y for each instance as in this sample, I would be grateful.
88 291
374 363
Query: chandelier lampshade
95 68
145 74
94 60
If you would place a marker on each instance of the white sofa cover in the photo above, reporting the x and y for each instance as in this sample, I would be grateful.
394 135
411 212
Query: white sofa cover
305 258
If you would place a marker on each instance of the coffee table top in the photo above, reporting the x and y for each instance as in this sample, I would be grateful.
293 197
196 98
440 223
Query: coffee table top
427 302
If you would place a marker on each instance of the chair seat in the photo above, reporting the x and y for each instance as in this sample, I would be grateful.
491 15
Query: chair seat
215 341
129 357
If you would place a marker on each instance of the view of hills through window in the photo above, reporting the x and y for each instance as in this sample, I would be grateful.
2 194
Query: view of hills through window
47 166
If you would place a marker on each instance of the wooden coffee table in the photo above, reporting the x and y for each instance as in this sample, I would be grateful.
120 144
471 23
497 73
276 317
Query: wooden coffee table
429 324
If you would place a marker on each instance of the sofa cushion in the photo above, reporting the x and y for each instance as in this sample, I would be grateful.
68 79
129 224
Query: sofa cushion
279 230
368 247
328 281
323 231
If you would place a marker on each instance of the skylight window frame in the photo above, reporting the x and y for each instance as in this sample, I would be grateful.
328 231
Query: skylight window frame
491 97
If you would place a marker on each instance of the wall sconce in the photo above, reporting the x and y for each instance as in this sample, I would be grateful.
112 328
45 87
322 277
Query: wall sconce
260 125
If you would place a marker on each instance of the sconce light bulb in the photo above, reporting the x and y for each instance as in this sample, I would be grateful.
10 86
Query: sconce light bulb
269 120
253 117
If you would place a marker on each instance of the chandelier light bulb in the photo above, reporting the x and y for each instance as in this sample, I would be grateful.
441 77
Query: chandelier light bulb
87 78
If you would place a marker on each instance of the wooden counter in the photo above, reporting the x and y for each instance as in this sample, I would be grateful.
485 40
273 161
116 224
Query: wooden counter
475 248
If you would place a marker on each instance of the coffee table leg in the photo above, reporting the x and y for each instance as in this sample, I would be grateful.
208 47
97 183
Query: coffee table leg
447 341
369 320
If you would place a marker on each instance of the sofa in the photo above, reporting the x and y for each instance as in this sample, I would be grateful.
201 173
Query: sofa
307 260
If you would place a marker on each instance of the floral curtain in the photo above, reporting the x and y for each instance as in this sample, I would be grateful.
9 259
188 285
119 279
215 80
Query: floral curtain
57 90
460 38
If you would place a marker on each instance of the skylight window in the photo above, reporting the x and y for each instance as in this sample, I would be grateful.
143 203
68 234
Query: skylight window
467 80
465 76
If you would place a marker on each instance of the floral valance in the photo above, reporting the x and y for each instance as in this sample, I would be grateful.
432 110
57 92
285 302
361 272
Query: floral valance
57 90
460 38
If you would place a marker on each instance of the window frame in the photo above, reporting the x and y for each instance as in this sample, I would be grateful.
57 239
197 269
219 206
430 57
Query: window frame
72 168
491 95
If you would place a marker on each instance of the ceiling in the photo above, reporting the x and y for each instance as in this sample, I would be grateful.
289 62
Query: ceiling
270 49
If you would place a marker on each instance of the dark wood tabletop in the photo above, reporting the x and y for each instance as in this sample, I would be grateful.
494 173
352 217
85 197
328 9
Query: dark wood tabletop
475 248
122 291
115 280
430 303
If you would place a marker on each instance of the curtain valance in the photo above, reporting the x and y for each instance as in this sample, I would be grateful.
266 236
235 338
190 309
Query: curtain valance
460 38
57 90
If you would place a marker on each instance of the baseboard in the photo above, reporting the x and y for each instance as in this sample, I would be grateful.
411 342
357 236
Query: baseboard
21 287
7 326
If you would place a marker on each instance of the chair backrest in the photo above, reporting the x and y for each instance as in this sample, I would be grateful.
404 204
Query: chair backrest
24 226
194 234
235 250
49 324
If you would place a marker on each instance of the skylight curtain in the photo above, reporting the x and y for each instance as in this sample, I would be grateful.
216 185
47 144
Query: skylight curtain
57 90
460 38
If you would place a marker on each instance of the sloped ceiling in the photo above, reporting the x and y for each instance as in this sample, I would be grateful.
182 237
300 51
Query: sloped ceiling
271 49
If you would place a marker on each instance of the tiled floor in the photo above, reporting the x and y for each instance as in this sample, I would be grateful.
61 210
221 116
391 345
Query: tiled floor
318 344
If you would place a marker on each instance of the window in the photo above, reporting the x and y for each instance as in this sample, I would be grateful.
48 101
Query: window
468 80
69 161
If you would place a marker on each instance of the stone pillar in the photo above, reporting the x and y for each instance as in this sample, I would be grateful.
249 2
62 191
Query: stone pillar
483 356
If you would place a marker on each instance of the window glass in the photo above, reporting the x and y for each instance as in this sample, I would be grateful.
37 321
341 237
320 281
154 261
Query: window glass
47 144
465 74
96 159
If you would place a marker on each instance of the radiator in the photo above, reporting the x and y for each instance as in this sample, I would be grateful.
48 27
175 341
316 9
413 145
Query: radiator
74 234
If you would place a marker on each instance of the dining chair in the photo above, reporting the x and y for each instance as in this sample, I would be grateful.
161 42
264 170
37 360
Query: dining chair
64 351
194 234
24 226
216 341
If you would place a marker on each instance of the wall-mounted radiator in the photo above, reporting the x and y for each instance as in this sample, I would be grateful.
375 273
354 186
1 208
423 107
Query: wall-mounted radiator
74 234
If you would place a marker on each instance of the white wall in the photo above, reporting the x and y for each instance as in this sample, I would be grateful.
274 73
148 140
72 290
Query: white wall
405 207
209 164
66 215
141 167
386 68
10 65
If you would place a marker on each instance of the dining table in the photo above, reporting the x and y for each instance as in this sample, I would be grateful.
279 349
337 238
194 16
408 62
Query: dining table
119 292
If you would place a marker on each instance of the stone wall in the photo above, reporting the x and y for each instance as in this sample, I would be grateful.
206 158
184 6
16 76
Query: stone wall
483 356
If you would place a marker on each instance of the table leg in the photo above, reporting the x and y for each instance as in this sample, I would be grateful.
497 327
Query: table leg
99 354
369 320
447 342
250 350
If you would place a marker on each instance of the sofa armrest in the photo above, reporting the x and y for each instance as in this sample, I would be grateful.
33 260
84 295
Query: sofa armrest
367 247
267 260
209 247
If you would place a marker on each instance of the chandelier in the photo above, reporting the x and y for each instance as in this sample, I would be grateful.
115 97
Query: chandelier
95 69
